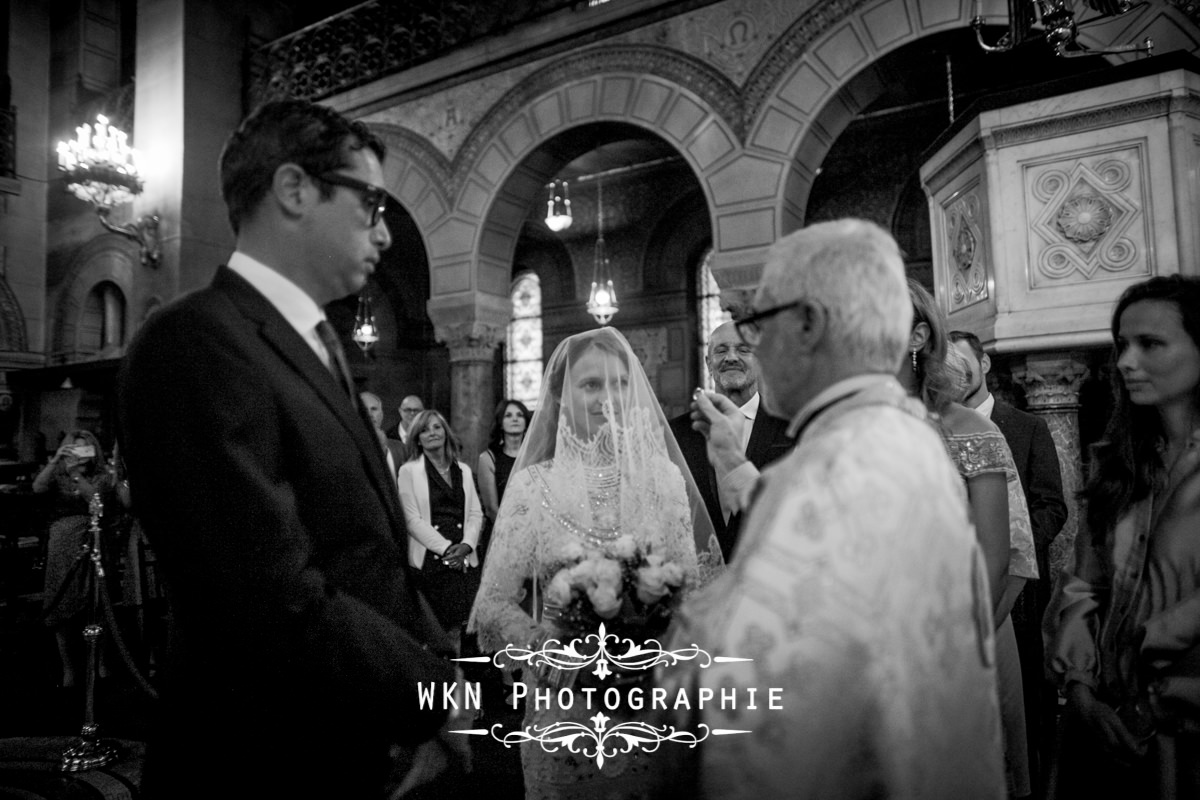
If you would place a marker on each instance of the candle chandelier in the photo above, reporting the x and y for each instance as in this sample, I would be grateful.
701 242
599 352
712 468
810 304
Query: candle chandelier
366 332
602 300
102 169
558 206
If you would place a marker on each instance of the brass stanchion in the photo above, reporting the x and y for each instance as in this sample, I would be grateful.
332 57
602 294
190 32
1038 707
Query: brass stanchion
90 751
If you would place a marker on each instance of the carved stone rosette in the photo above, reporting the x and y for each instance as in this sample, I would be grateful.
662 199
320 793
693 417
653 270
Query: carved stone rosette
1051 384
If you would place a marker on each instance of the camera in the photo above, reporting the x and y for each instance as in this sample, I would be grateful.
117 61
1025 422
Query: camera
84 451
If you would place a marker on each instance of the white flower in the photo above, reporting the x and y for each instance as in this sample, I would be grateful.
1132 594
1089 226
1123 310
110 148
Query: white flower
605 601
672 574
608 573
625 548
559 591
651 584
572 551
654 560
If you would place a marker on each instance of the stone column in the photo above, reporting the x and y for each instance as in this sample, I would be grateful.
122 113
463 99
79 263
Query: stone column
1051 382
472 348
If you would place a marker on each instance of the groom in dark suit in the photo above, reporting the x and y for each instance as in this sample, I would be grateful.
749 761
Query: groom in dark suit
298 639
1036 458
734 368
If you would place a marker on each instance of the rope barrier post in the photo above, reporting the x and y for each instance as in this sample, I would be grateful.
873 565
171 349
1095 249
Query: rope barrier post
90 751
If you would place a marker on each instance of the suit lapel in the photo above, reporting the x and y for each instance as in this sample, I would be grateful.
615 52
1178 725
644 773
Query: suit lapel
421 488
298 356
758 436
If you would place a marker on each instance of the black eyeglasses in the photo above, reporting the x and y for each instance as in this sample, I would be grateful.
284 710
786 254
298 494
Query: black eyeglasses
748 327
375 198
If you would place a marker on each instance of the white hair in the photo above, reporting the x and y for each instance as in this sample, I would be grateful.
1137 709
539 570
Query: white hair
853 268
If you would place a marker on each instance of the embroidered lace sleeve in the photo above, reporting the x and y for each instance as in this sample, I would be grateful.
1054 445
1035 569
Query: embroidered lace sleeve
497 617
982 453
977 453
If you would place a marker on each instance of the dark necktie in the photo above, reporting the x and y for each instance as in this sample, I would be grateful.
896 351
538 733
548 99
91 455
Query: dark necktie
337 357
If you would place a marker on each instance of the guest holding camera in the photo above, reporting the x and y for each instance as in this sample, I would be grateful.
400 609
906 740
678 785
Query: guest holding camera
444 518
75 473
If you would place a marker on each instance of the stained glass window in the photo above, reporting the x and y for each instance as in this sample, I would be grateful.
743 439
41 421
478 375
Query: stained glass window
523 345
711 314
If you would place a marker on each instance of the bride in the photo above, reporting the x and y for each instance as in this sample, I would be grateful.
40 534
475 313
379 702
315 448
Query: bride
598 464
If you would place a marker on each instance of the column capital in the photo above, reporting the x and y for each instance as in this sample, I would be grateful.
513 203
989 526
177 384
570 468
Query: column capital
1051 380
470 341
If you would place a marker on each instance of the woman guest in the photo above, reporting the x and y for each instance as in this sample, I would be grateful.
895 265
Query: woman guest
997 504
75 473
496 463
443 515
1124 625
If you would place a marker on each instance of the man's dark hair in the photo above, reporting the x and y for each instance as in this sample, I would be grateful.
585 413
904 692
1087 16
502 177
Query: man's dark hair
313 137
972 340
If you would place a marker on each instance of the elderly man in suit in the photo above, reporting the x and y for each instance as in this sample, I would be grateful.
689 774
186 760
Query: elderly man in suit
394 449
299 639
734 368
1036 457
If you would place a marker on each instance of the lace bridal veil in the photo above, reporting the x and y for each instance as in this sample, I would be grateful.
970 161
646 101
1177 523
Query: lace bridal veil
599 461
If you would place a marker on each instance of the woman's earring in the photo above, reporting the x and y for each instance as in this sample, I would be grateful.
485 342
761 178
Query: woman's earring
914 360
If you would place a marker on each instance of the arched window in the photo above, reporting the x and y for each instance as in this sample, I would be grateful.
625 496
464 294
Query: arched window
102 324
523 345
710 312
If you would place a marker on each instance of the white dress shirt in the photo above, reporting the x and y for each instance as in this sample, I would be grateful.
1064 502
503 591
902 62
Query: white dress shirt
987 405
300 310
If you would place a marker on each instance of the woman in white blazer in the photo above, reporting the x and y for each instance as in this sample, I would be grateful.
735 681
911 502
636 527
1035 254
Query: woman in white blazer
444 517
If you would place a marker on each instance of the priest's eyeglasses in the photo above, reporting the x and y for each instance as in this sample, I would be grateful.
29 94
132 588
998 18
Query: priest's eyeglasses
748 326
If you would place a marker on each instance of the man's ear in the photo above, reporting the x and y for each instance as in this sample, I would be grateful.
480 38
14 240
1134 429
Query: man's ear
814 321
290 186
919 336
985 364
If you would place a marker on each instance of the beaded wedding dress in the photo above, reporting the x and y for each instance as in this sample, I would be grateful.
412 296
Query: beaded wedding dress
598 465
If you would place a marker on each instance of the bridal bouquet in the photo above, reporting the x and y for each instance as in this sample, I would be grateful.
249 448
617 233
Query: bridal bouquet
632 591
629 591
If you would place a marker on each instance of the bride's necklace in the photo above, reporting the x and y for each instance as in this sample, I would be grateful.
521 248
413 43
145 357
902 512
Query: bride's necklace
601 504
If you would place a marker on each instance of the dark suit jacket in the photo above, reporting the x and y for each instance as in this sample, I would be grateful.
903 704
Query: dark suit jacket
1036 457
768 442
399 453
298 638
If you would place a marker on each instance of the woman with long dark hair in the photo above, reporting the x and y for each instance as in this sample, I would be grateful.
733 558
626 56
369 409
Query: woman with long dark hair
1124 624
496 463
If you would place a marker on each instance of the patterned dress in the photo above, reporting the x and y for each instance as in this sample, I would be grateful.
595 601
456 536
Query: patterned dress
978 454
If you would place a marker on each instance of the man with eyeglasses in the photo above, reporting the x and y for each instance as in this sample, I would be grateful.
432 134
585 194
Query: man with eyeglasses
409 408
299 639
762 437
858 594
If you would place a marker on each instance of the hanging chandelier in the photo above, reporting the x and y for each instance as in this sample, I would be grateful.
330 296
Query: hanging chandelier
558 206
366 332
602 300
